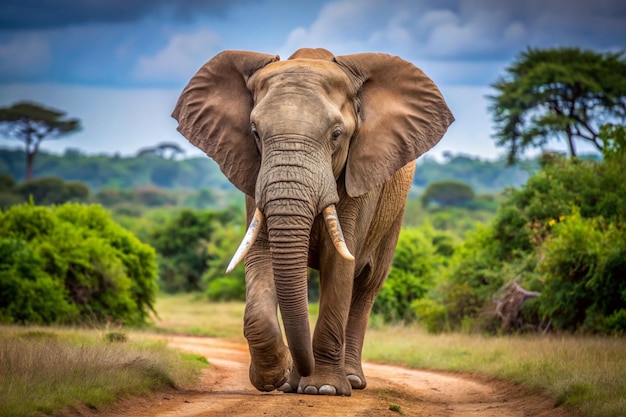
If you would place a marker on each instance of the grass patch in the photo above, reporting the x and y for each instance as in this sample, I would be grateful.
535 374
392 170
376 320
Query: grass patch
194 315
45 370
585 373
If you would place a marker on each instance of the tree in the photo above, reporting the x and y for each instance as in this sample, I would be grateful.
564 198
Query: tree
182 244
558 93
31 123
447 193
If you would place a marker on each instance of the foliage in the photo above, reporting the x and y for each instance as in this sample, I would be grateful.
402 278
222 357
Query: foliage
562 234
565 93
29 294
71 263
42 191
182 244
456 220
613 138
50 371
120 172
419 254
447 193
31 123
221 248
484 176
200 172
584 270
50 190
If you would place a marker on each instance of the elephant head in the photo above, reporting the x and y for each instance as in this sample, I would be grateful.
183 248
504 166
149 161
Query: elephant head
289 133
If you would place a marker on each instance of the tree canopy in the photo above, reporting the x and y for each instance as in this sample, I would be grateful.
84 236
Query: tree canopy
558 93
31 123
447 193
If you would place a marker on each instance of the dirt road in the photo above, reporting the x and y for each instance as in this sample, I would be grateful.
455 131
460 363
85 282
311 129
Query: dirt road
224 390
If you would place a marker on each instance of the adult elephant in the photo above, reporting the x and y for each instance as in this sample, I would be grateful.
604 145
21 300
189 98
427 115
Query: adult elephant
318 144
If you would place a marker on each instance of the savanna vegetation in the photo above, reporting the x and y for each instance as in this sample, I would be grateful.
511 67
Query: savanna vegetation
534 253
47 370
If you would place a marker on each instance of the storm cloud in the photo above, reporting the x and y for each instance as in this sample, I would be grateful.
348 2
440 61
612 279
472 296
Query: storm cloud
47 14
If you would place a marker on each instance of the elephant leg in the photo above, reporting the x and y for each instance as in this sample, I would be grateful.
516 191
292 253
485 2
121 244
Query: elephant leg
336 276
366 286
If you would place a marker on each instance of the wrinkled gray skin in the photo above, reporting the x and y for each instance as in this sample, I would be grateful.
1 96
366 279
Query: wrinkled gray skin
297 136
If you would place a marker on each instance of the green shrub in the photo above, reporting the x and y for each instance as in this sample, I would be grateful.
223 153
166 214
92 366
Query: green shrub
226 289
52 190
7 183
430 314
584 270
561 234
223 245
28 294
419 254
89 268
183 247
448 193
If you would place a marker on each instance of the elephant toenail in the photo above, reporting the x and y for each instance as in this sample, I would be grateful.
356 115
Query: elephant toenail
328 390
286 387
269 388
311 390
355 381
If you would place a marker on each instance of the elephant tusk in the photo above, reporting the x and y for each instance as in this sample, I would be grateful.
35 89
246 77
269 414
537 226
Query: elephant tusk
248 240
334 229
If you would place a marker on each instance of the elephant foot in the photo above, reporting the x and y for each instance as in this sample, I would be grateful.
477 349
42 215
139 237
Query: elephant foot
355 375
291 386
272 372
321 383
357 382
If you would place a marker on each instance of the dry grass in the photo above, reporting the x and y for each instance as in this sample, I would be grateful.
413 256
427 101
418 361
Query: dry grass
45 370
583 372
193 315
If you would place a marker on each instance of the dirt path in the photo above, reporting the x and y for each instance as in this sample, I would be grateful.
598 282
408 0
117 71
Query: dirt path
224 390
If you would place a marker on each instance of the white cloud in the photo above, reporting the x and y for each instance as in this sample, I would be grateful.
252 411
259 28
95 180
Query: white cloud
342 26
180 59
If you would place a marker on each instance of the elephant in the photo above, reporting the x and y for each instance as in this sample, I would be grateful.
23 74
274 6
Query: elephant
324 148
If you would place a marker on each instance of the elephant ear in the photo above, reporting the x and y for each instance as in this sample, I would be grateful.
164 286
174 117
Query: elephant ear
403 115
213 113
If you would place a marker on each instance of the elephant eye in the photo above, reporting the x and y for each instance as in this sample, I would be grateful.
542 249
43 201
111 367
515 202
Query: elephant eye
254 132
336 134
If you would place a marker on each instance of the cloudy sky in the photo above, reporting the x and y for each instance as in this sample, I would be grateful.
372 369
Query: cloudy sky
119 65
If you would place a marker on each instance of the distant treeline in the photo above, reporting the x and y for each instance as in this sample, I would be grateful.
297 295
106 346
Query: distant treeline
121 172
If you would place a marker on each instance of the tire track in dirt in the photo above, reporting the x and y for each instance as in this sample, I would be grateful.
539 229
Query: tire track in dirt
224 390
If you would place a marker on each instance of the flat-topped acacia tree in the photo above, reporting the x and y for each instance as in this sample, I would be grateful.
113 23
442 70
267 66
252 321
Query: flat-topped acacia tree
31 123
558 93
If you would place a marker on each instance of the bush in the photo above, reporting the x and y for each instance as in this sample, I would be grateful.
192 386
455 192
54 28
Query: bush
419 254
183 247
52 190
71 263
447 193
561 234
584 270
27 293
223 245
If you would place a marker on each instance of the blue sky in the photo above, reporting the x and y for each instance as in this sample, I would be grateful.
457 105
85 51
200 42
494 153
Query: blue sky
119 65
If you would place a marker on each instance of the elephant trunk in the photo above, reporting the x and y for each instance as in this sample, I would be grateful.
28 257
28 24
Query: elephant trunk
289 239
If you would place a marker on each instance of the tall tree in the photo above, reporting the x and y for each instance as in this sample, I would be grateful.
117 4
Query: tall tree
558 93
31 123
